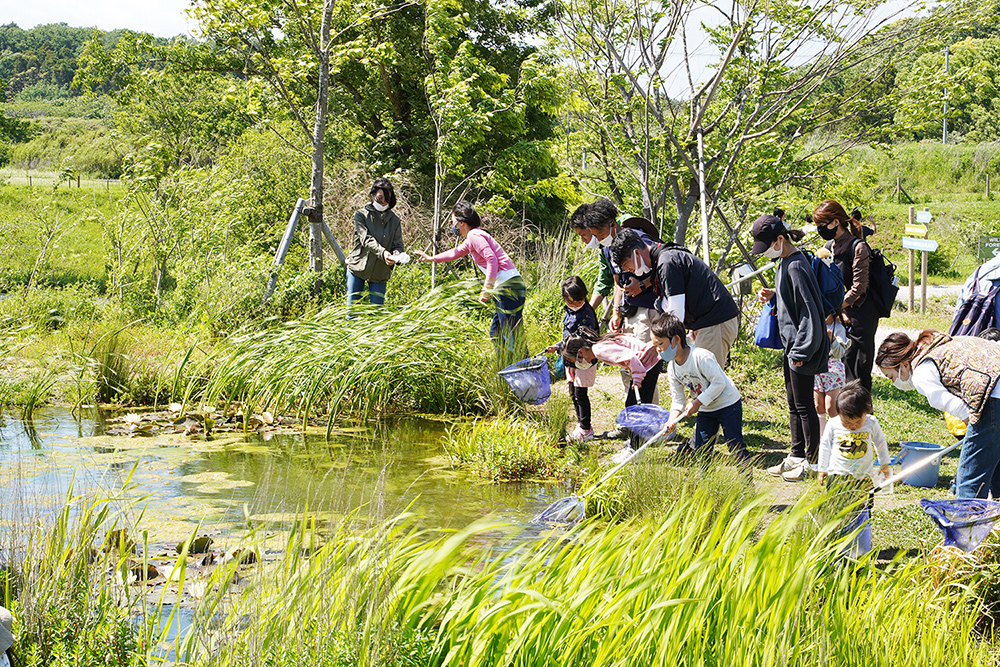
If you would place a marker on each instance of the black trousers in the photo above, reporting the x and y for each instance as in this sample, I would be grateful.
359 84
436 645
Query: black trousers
581 404
803 422
860 356
645 396
648 388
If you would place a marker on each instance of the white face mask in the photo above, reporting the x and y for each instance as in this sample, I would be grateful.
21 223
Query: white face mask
771 253
641 268
379 207
606 241
900 383
581 364
593 243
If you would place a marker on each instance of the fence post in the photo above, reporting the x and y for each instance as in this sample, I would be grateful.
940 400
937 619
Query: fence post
897 195
987 186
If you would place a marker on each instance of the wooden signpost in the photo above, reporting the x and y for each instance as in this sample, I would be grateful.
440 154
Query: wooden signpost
916 239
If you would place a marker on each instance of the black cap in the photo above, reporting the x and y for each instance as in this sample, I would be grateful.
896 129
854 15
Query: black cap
766 229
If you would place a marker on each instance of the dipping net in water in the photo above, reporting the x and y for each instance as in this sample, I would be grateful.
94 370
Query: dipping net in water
964 523
529 380
644 420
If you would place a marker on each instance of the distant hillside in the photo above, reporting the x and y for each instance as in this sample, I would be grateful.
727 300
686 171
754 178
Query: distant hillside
46 54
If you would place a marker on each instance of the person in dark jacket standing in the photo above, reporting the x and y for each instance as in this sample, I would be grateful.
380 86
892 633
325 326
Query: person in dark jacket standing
802 329
853 257
685 286
378 245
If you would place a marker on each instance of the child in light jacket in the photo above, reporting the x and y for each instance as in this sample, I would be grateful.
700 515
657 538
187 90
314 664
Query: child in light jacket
714 398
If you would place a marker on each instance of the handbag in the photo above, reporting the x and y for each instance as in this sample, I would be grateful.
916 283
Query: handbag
766 334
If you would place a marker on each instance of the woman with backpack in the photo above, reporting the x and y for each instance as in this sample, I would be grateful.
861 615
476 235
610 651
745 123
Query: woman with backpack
853 257
802 329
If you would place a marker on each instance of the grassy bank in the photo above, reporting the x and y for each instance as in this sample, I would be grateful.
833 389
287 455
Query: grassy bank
707 583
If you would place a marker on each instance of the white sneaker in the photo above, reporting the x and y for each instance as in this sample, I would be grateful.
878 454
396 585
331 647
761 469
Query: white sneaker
581 434
799 473
623 455
786 465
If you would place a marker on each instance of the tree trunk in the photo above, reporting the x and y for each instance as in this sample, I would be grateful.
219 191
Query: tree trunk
319 131
439 174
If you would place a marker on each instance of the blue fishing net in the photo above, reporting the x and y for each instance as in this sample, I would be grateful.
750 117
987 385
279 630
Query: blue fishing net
645 420
860 531
964 523
529 380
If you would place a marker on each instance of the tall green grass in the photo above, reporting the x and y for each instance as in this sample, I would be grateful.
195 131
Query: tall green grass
72 601
704 585
428 356
504 449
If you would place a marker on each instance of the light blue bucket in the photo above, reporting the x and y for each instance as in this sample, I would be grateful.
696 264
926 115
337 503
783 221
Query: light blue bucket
912 453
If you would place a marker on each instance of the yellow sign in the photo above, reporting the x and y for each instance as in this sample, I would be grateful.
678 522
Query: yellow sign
916 230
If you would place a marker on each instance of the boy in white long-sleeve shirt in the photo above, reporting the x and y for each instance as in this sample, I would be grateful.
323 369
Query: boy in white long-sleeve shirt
848 445
714 398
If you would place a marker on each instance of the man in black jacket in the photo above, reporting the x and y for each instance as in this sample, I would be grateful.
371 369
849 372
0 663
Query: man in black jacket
686 287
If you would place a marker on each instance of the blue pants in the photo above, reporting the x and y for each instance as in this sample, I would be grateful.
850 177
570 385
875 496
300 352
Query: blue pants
506 330
979 465
729 418
356 286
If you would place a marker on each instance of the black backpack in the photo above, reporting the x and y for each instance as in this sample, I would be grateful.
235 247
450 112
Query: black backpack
882 283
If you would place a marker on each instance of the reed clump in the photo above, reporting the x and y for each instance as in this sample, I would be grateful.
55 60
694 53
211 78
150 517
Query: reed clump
430 355
504 449
703 584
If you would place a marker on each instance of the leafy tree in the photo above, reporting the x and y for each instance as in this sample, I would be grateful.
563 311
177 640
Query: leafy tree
972 82
735 137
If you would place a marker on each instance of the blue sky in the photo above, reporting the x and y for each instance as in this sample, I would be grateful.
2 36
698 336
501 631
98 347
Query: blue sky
163 18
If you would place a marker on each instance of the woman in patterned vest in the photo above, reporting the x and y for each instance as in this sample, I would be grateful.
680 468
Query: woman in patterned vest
958 375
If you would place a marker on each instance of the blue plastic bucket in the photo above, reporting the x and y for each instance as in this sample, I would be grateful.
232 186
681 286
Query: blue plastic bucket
529 380
912 453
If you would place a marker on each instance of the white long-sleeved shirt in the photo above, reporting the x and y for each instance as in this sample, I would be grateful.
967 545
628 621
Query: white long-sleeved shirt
927 381
843 452
704 379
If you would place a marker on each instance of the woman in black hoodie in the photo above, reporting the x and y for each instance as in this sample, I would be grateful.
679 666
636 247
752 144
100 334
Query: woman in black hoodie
802 328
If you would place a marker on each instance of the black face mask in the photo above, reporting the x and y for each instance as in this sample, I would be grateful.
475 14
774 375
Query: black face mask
828 233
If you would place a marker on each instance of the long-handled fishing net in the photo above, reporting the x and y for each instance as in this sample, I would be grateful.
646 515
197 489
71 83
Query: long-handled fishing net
646 421
964 523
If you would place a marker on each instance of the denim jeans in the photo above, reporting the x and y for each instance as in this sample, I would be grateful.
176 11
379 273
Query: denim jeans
729 418
979 465
506 330
356 287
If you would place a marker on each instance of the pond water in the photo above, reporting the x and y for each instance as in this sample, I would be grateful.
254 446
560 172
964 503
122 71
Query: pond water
182 481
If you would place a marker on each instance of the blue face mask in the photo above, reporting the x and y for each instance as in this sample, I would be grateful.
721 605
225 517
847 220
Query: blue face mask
454 230
668 354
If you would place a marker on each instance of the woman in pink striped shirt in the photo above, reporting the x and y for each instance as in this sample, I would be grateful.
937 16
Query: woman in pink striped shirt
503 282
